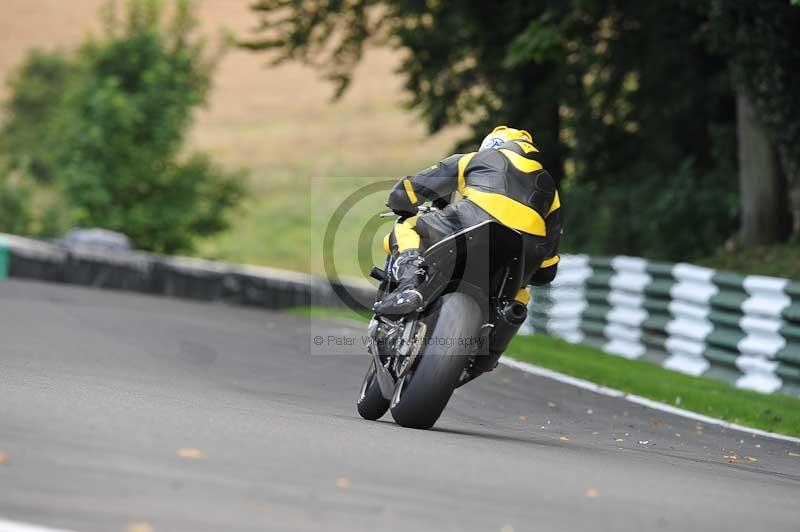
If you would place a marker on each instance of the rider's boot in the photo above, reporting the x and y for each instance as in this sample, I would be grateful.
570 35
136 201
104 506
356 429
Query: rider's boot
410 271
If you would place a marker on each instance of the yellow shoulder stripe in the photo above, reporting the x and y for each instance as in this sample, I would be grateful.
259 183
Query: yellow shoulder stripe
521 163
527 147
555 206
550 262
507 211
412 196
462 167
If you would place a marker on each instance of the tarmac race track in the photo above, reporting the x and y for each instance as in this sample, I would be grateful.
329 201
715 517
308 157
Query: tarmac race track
121 412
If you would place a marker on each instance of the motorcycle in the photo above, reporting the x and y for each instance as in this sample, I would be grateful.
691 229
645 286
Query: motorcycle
418 360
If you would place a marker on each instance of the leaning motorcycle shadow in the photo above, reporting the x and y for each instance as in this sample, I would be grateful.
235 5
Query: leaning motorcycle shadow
531 440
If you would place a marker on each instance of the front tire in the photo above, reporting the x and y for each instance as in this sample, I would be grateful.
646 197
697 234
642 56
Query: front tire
426 391
371 404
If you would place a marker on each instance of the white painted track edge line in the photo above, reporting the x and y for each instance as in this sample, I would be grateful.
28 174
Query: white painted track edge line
17 526
643 401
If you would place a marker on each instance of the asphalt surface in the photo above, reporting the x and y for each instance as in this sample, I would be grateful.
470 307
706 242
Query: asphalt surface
123 412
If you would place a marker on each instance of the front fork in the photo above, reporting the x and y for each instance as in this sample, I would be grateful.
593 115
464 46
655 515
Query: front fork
395 346
385 379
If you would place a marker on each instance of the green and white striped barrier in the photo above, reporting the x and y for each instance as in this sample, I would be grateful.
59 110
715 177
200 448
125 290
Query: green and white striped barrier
3 260
695 320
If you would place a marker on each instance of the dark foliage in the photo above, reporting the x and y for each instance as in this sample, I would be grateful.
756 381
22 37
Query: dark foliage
632 102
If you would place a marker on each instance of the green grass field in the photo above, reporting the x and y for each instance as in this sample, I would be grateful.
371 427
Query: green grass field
775 413
298 181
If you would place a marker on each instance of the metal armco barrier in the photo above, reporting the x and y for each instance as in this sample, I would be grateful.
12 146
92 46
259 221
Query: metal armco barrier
173 276
699 321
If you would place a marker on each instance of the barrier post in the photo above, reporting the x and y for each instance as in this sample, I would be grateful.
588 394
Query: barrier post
3 260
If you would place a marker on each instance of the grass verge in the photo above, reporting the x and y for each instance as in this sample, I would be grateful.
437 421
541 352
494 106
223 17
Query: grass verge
775 413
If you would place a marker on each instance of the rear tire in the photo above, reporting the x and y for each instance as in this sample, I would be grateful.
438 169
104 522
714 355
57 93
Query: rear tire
371 404
427 390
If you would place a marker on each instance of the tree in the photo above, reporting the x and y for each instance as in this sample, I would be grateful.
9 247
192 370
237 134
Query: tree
762 43
28 160
455 71
37 91
114 139
625 98
761 182
15 213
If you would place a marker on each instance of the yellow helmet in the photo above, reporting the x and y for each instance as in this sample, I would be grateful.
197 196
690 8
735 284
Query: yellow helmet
502 134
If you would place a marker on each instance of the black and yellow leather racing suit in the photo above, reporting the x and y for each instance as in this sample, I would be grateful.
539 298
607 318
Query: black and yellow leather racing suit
507 184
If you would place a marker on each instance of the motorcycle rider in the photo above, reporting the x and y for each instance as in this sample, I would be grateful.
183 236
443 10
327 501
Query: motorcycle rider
503 181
